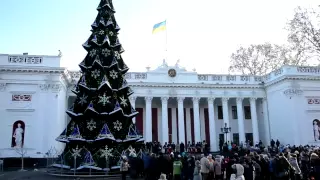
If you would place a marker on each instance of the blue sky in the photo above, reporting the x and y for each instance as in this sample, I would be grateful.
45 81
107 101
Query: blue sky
206 31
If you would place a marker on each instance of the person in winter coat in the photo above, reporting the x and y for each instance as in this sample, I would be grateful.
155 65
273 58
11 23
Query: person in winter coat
217 168
177 169
248 168
238 171
205 167
124 167
196 172
294 163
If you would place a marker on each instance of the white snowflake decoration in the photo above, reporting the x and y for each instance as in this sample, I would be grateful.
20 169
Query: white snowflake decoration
106 152
101 32
111 33
132 151
117 54
113 74
91 125
117 125
83 99
95 73
123 101
106 52
104 99
93 52
76 152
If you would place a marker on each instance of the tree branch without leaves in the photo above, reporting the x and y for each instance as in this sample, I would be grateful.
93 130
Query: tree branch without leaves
304 32
262 58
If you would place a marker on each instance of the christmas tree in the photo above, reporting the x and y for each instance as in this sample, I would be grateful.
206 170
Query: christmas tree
101 115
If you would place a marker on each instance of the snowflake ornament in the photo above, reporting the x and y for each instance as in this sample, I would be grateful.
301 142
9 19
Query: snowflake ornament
104 99
91 125
101 32
117 55
95 74
93 52
123 101
82 100
117 125
106 152
76 152
106 52
113 74
132 151
111 33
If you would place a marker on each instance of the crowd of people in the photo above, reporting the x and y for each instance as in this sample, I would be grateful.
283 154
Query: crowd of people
234 162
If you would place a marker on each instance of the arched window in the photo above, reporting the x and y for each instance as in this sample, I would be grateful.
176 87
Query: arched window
18 131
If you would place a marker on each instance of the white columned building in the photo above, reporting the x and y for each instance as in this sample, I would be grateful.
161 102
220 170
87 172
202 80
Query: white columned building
174 105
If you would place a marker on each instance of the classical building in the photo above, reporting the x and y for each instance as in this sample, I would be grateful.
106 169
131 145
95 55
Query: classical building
174 104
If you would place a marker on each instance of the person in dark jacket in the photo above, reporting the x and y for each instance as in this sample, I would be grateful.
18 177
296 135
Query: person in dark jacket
248 168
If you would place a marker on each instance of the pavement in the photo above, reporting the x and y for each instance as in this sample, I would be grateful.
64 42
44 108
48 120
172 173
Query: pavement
40 175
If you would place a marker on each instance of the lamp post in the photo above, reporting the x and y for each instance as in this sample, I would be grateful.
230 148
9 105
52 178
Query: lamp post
225 130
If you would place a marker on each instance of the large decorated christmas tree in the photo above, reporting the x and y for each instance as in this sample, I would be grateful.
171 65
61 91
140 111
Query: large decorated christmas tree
101 116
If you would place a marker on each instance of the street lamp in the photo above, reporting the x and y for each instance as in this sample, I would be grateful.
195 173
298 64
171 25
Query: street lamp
225 130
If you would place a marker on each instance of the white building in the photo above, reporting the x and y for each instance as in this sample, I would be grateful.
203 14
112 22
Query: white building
174 104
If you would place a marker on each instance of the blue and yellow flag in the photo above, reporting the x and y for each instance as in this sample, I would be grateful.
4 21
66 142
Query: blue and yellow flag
159 27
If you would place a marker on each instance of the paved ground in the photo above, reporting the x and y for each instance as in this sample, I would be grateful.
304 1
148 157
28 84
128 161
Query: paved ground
38 175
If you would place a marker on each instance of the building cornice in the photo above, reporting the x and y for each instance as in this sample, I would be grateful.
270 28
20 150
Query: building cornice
35 69
203 86
69 78
29 55
292 77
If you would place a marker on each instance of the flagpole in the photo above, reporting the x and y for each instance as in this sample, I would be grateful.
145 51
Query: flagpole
166 45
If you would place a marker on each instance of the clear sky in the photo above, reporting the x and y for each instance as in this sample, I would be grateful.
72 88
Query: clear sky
202 33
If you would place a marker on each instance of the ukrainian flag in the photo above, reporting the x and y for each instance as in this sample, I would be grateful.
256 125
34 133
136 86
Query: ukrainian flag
159 27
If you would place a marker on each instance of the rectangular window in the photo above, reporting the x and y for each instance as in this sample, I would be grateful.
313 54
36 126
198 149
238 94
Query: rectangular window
220 112
247 112
234 112
249 137
236 138
221 137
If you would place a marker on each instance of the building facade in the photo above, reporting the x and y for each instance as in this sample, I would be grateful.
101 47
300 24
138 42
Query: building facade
175 105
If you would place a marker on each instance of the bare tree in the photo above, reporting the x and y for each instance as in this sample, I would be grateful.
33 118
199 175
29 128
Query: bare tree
22 152
304 32
260 59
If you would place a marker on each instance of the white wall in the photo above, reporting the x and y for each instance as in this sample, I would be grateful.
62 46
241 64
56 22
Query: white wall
43 115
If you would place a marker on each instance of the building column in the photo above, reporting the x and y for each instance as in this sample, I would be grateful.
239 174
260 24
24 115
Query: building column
202 124
148 137
164 121
133 104
212 126
181 137
225 111
174 125
266 121
254 119
196 120
188 125
242 136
